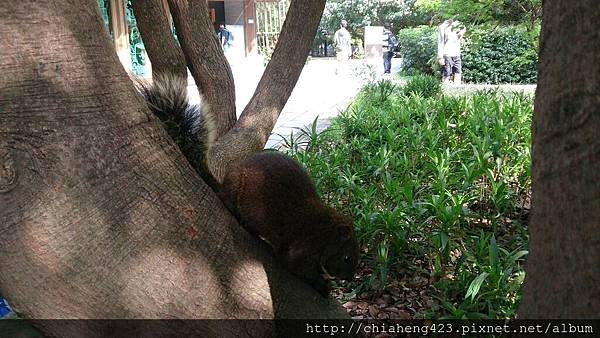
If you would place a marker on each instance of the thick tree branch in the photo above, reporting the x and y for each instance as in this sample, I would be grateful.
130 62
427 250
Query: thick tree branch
153 23
206 59
254 126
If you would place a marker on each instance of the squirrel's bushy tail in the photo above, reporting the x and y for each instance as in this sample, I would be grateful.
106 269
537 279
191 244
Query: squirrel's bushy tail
192 127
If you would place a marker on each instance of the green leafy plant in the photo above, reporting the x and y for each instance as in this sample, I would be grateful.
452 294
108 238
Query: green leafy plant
424 85
439 179
379 92
418 46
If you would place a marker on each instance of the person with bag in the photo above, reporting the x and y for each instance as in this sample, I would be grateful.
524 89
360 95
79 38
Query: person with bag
225 37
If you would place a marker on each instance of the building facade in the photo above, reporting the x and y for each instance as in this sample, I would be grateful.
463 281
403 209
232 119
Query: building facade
238 15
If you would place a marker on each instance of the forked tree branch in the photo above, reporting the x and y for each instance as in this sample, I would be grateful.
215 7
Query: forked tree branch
210 69
251 131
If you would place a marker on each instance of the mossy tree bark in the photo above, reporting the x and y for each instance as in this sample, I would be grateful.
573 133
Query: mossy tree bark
563 274
101 216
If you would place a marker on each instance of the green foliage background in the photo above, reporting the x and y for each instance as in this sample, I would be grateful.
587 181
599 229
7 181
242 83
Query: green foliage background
418 47
428 177
490 55
500 46
502 55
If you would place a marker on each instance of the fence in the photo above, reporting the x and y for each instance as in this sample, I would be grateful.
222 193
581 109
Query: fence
270 16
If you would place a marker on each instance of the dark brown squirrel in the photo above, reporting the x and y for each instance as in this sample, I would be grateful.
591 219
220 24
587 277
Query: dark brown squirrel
274 198
269 193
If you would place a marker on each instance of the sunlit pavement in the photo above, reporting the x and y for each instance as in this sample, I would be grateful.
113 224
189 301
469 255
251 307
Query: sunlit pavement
319 91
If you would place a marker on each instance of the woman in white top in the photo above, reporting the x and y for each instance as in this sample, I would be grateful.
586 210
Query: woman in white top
343 46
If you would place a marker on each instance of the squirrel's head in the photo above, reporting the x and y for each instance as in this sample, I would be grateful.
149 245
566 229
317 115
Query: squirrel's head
340 255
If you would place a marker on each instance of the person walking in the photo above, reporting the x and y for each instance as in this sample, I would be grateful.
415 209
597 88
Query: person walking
343 46
389 44
225 37
450 33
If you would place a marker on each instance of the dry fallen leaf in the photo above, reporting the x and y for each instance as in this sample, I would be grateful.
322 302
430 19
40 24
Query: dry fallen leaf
404 315
373 310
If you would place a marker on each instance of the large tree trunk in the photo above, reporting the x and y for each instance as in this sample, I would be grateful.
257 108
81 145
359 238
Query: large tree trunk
101 216
563 270
153 23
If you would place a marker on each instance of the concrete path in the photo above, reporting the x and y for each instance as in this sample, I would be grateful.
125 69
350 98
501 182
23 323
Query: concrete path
319 91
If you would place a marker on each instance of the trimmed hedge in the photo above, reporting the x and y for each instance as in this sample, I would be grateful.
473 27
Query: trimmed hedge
418 46
500 55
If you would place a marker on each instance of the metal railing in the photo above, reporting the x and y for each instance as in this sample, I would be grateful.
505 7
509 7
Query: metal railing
270 16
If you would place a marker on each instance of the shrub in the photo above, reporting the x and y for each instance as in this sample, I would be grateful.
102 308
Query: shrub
418 47
424 85
502 55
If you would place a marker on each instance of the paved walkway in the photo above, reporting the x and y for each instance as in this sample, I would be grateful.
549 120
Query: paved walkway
319 91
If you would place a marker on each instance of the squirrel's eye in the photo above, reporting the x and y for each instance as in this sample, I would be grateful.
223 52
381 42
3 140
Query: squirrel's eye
347 259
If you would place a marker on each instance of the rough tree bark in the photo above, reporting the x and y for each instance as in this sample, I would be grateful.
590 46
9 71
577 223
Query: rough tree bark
563 274
205 59
101 216
163 52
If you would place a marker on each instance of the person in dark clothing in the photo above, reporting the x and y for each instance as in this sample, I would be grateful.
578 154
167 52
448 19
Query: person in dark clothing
224 37
388 49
